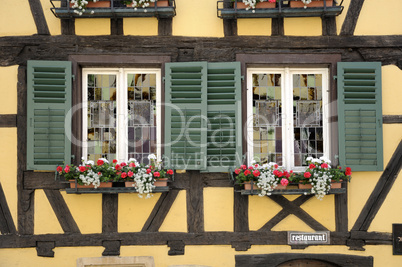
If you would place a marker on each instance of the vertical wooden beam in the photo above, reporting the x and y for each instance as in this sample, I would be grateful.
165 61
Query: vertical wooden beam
39 17
62 212
160 210
165 26
7 225
230 27
195 203
67 25
277 28
328 26
109 212
240 212
349 24
341 211
116 26
380 192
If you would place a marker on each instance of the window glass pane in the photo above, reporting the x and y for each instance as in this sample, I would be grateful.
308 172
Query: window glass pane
267 112
307 117
101 114
141 93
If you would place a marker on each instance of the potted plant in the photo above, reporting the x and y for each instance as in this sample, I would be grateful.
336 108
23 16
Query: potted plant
247 176
319 175
80 6
310 3
273 177
247 4
145 3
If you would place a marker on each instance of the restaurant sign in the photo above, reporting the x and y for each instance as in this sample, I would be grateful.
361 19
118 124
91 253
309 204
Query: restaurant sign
307 238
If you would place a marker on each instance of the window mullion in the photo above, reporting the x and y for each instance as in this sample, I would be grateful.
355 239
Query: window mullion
121 126
287 120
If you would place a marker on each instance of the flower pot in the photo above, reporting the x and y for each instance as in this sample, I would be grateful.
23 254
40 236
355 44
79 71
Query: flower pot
305 186
279 186
241 5
318 3
161 182
335 184
96 4
160 3
129 184
247 186
102 184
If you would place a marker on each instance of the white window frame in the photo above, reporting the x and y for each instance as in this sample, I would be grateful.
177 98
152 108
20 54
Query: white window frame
121 104
287 109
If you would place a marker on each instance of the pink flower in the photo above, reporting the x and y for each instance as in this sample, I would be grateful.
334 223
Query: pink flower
250 167
123 175
132 165
348 171
243 167
280 174
307 175
99 173
67 169
247 172
324 165
170 172
276 166
148 171
82 168
123 164
130 174
115 161
256 166
275 172
157 174
284 182
99 162
237 171
59 169
311 166
117 167
272 1
256 173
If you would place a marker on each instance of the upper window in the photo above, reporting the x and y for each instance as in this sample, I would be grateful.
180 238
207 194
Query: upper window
287 111
121 114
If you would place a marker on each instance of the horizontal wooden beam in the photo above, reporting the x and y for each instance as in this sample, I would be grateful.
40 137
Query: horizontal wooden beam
390 119
8 120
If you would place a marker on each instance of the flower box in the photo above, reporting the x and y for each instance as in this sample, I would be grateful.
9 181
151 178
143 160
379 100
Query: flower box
247 185
304 186
101 185
314 3
161 182
336 184
98 4
129 184
241 5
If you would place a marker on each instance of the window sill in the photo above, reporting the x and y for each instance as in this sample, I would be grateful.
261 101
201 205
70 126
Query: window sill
335 191
233 13
112 190
116 12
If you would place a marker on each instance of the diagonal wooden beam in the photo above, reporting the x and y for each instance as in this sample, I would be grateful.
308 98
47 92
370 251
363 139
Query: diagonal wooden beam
380 191
299 212
349 24
284 213
39 17
7 225
159 212
62 212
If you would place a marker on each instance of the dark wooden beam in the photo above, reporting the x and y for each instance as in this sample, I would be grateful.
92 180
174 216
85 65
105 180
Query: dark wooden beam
67 26
165 26
62 212
110 207
277 259
160 210
240 211
352 16
8 120
390 119
116 26
41 180
195 203
328 26
277 28
39 17
112 248
284 213
300 213
7 225
341 211
380 192
45 248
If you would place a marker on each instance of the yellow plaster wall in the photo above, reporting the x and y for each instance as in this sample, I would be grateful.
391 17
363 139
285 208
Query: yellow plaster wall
380 18
260 211
302 26
322 210
16 18
92 26
134 211
45 220
86 210
391 89
176 219
140 26
218 209
197 18
214 256
8 168
8 89
53 23
254 27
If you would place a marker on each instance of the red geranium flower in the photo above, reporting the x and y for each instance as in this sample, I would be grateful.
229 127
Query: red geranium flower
148 171
247 172
67 169
324 165
99 162
123 175
130 174
132 165
276 166
311 166
256 173
348 171
118 167
59 169
307 175
280 174
237 171
250 167
157 174
243 167
284 182
170 172
99 173
115 161
123 164
82 168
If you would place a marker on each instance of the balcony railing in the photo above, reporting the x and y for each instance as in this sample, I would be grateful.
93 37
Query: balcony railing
61 9
229 10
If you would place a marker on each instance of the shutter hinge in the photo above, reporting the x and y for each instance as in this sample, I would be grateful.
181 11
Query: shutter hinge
73 77
335 77
73 157
242 78
163 79
336 156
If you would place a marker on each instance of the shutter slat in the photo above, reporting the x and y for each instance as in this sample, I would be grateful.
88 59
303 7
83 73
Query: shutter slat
360 115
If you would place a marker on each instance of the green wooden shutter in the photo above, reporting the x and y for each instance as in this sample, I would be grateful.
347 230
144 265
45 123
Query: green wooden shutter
224 148
185 115
360 115
48 104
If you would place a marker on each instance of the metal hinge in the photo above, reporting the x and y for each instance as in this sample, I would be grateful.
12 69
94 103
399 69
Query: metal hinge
335 77
73 77
242 78
163 79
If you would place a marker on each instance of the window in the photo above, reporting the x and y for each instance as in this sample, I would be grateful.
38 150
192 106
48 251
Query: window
287 113
121 113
